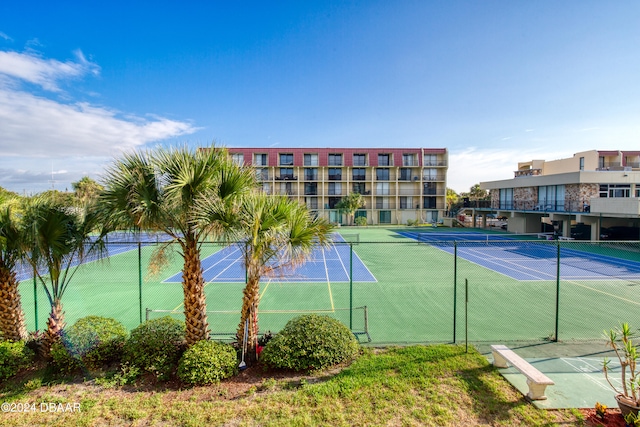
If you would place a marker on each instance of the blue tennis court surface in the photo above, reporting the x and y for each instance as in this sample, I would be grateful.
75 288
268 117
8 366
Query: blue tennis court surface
324 265
530 260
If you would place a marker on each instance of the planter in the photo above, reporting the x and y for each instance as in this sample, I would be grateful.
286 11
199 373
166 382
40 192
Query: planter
626 405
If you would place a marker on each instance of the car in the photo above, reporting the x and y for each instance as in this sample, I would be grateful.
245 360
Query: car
620 232
581 231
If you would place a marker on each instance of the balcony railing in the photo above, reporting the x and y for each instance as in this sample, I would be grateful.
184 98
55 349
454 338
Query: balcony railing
335 177
286 178
528 172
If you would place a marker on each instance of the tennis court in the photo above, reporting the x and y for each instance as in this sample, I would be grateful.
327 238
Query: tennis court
413 290
526 260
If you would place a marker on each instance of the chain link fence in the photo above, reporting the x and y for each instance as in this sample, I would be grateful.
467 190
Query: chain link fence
391 292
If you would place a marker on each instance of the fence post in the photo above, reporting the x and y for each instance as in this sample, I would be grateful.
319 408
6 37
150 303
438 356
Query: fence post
140 278
35 297
557 292
455 287
351 286
466 315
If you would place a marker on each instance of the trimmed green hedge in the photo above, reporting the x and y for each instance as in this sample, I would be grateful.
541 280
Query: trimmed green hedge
310 342
207 362
14 356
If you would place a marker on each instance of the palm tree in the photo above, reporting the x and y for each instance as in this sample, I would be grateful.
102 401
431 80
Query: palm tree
274 234
12 322
350 204
161 191
58 240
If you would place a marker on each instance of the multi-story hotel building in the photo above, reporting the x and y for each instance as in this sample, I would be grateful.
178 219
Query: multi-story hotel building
597 189
398 185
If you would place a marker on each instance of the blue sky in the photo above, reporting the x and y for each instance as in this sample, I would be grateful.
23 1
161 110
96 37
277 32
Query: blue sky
495 82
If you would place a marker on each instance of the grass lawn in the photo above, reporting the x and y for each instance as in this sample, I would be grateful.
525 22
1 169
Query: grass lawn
437 385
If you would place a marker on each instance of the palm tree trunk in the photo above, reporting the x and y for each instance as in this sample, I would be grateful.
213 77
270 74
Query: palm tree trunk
249 312
195 302
55 325
12 324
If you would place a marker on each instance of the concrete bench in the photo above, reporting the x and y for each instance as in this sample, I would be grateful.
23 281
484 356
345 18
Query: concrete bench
544 235
536 380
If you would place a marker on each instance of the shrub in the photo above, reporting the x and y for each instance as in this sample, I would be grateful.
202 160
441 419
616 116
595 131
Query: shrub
310 342
207 362
155 346
360 221
14 356
91 342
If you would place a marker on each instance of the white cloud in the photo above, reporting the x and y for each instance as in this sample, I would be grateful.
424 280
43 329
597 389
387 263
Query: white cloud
79 137
44 72
5 36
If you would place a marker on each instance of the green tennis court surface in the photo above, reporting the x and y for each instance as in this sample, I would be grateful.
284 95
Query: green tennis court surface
414 292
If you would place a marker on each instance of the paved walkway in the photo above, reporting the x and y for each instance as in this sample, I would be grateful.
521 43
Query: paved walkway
575 367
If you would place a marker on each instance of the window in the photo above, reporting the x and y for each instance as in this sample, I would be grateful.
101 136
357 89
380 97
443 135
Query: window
262 174
359 160
430 174
382 203
581 163
429 189
311 189
384 217
359 187
335 159
551 197
311 202
286 188
310 174
429 202
383 160
406 202
238 158
405 174
335 188
506 198
286 173
382 174
333 201
260 160
335 174
430 160
359 174
311 160
266 187
408 160
382 188
286 159
615 190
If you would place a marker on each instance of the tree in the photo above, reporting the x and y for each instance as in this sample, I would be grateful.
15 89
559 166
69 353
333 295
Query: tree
477 193
275 234
350 204
452 198
58 240
86 189
162 191
12 322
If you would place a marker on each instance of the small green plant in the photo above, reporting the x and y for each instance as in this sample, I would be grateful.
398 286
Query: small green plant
360 221
620 341
155 346
310 342
632 420
14 356
127 375
207 362
91 342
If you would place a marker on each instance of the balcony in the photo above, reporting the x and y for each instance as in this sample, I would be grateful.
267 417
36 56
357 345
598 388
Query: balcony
335 177
286 178
528 172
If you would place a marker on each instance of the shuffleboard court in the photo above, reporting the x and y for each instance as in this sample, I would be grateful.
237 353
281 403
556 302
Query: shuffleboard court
325 265
525 260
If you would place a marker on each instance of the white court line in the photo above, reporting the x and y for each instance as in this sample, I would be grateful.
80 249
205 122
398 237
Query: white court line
326 270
